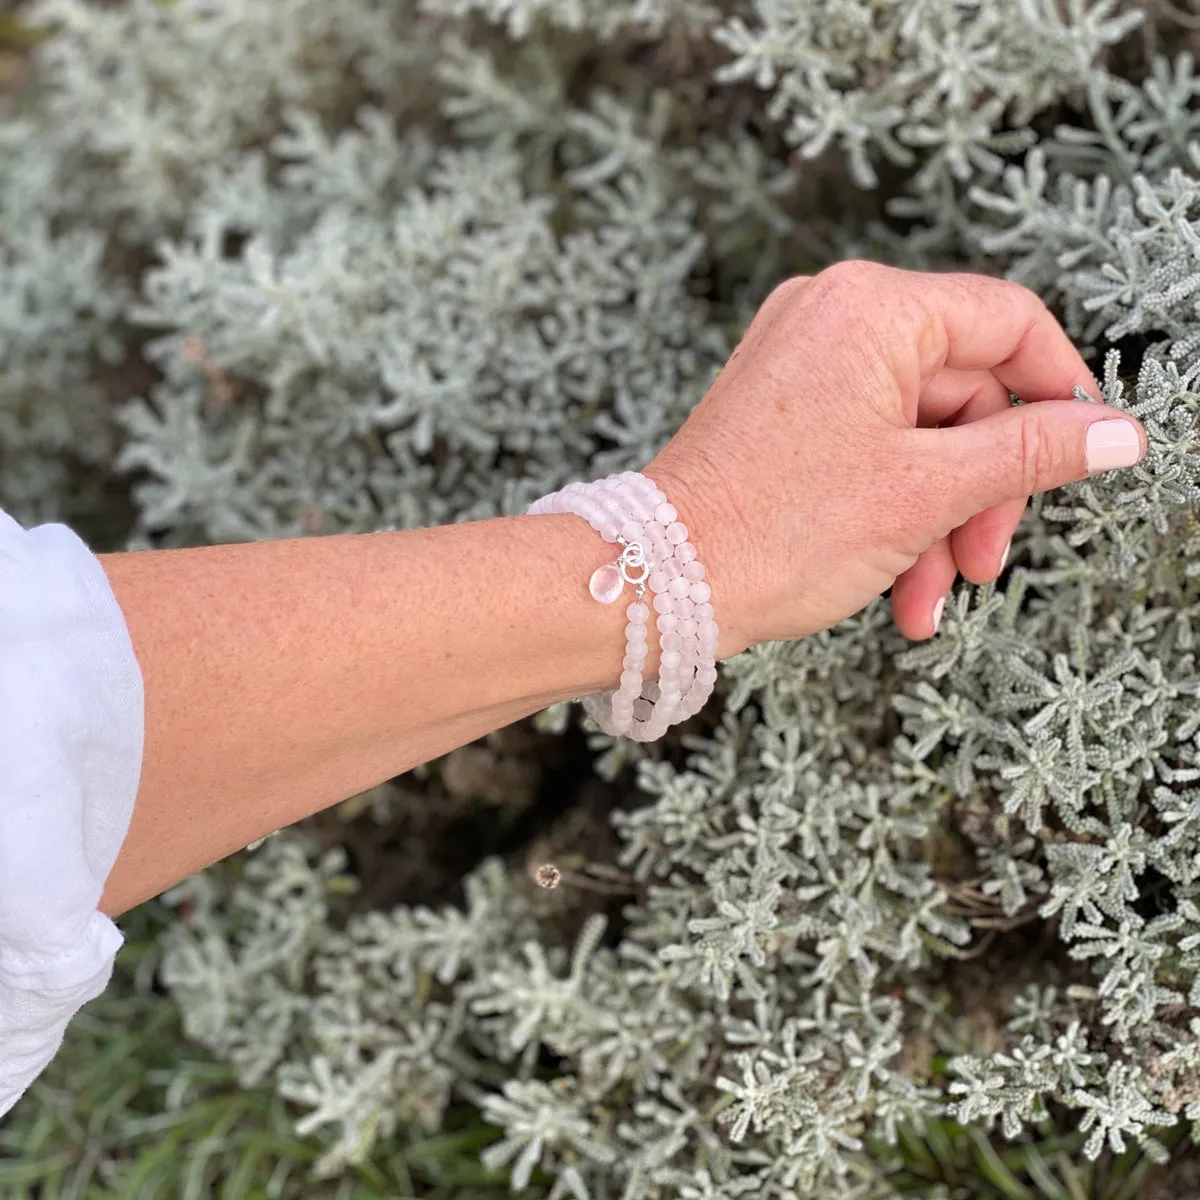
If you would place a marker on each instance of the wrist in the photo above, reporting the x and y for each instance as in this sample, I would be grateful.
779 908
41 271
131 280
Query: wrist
668 602
713 523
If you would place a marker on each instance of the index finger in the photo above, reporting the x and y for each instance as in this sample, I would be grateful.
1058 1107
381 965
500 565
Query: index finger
978 323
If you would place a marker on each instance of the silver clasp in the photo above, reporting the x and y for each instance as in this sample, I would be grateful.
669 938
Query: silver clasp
633 556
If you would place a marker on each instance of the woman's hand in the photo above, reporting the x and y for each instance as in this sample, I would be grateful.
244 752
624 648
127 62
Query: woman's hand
861 437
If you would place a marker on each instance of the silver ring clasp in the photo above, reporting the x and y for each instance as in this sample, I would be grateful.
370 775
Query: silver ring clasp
633 556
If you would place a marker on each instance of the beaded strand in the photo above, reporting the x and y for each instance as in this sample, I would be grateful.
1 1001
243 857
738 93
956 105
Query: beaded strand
629 509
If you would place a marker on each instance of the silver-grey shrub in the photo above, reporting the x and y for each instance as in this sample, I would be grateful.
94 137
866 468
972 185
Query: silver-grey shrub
391 264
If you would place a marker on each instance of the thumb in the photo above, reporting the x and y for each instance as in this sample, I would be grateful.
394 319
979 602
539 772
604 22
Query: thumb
1030 448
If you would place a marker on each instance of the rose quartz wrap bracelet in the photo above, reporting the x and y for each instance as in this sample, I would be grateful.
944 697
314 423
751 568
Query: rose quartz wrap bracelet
656 556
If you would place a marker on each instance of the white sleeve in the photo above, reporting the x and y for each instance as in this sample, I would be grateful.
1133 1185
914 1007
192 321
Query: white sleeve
71 730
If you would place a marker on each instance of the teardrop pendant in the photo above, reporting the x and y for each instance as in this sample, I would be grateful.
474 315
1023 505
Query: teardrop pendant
606 584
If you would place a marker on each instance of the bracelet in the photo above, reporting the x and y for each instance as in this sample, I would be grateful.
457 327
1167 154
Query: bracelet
629 509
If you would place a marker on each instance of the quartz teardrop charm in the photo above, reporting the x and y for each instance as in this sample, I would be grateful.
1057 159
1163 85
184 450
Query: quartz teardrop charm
606 583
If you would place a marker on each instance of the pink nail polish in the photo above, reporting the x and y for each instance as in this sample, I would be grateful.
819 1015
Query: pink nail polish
1112 444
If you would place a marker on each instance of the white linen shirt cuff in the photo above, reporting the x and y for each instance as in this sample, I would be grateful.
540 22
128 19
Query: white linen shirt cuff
71 741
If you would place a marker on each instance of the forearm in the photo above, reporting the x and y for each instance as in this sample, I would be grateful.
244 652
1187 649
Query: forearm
282 677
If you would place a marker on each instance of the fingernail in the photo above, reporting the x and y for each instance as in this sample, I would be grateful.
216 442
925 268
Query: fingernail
1004 556
938 609
1112 444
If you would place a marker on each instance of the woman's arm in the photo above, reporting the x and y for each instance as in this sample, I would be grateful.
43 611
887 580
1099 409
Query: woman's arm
861 437
282 677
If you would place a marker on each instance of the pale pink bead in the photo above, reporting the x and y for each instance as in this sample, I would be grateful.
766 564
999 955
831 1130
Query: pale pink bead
693 571
609 531
636 649
638 613
662 551
665 514
670 660
671 641
680 588
630 680
706 660
671 569
631 531
677 534
688 628
706 676
684 606
658 582
663 603
655 531
632 662
635 631
610 482
685 552
705 612
667 622
699 592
